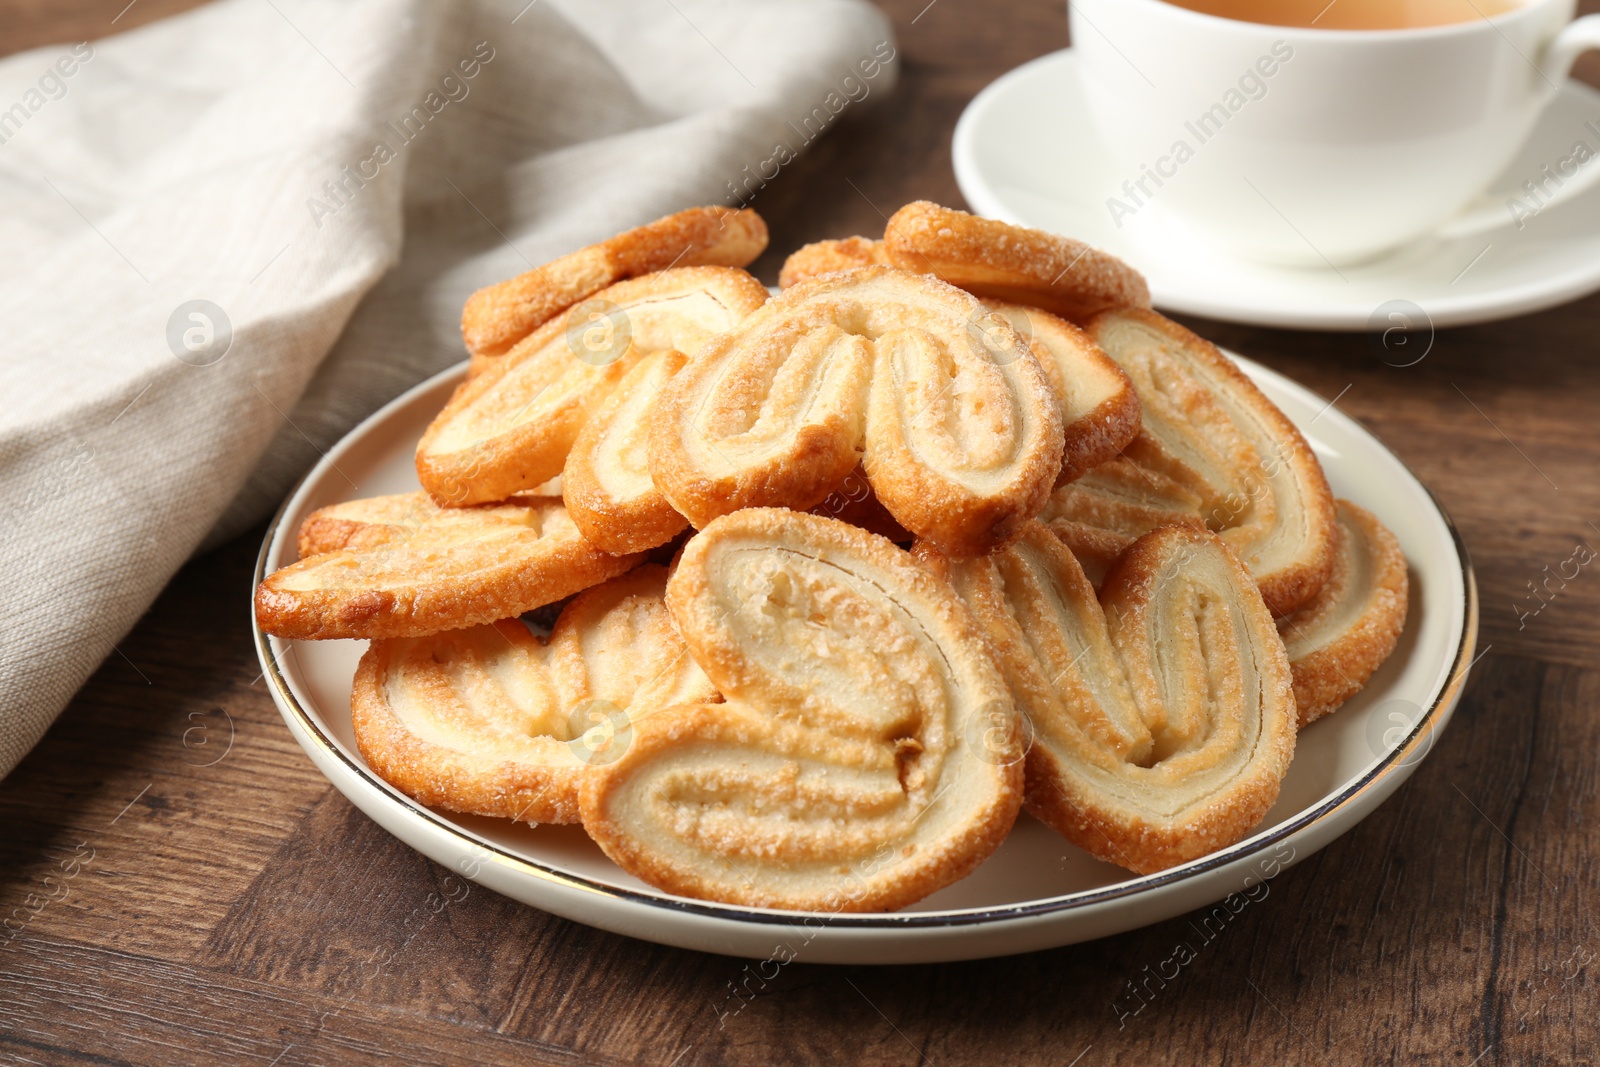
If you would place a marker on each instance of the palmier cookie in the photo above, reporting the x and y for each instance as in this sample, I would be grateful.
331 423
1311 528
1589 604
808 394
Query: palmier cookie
497 317
940 400
1209 429
372 521
1109 508
509 428
846 770
612 499
1350 627
606 481
1162 711
826 257
1100 409
416 568
998 261
492 721
1099 405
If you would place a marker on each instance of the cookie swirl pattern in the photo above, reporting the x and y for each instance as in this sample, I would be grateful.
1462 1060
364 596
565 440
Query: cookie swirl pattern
1099 407
606 481
508 428
492 721
1208 430
846 770
939 399
401 566
1162 710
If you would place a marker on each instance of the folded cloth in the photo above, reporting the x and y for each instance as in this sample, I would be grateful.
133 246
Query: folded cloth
231 234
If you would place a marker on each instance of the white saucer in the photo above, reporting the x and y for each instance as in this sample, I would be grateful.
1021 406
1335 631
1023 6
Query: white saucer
1026 151
1037 891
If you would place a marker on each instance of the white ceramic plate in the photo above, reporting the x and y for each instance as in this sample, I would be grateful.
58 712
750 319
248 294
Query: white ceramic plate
1037 891
1026 151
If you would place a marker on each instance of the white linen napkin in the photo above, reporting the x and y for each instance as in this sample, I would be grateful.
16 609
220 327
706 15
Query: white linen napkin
229 235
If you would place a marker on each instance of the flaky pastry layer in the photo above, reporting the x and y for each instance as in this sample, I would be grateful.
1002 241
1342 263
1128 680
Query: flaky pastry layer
826 257
1012 264
1214 447
1342 636
847 769
509 427
936 397
1099 407
497 317
491 720
606 481
1162 711
403 567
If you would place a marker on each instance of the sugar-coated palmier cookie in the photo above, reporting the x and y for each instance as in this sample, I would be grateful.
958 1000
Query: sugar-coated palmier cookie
404 567
609 492
940 400
617 642
1014 264
847 768
1112 506
1100 409
1350 627
497 317
1207 428
510 427
371 521
606 481
1099 405
825 257
1162 710
492 721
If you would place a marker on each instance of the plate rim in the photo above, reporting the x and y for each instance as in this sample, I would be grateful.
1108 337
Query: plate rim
1395 762
1468 309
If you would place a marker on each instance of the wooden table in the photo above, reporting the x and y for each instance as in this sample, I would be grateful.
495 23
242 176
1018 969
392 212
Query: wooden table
217 900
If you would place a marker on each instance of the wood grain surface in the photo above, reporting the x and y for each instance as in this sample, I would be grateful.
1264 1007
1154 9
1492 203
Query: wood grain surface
193 891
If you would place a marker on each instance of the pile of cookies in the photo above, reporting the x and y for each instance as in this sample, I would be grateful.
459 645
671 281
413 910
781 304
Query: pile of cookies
841 579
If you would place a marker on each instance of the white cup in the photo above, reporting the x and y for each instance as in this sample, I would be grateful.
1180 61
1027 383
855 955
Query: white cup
1322 147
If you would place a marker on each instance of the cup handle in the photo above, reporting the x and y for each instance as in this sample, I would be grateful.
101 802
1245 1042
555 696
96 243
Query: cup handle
1575 39
1554 66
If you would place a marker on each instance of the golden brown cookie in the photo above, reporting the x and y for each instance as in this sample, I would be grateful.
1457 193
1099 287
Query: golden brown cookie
606 481
1338 640
1112 506
846 770
509 427
1099 405
1013 264
440 569
1100 410
492 721
941 402
825 257
497 317
1162 710
1209 430
369 521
